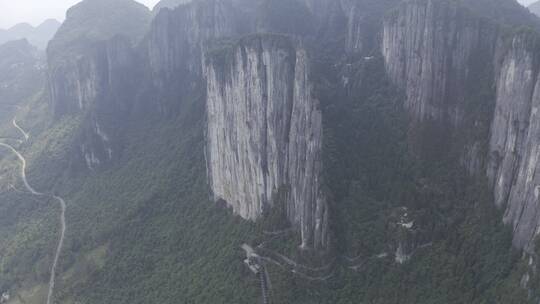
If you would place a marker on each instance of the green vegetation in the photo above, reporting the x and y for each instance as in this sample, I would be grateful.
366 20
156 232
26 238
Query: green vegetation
222 52
143 229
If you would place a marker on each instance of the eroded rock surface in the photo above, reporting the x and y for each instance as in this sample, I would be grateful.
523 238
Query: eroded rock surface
265 133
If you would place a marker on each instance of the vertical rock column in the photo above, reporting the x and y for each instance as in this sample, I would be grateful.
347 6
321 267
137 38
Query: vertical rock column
264 133
515 140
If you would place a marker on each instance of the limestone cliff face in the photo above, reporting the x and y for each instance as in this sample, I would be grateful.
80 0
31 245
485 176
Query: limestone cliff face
429 49
514 143
95 86
78 82
264 134
170 4
93 76
177 37
356 21
428 46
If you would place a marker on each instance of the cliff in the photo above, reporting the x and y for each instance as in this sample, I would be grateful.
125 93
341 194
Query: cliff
513 146
299 133
279 154
176 40
264 133
77 55
170 4
88 59
351 25
430 49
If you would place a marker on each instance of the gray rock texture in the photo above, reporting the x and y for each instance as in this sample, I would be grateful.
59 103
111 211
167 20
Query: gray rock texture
428 46
429 49
87 76
170 4
177 37
265 133
95 86
514 143
353 20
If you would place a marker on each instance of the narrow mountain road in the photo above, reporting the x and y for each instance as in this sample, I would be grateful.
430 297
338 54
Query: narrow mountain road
259 254
37 193
25 134
23 169
59 248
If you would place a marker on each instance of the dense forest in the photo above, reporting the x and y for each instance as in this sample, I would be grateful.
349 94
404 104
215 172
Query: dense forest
354 145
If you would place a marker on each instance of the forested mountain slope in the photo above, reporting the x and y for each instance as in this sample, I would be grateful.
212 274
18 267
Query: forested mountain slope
376 151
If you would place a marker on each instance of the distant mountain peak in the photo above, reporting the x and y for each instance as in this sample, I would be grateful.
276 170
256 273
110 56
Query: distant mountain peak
38 36
50 22
21 26
103 19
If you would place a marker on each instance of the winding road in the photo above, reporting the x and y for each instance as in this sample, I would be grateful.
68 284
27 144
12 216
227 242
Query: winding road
58 248
37 193
25 134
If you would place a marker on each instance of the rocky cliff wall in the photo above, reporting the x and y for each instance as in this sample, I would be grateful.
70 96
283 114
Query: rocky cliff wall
92 66
514 142
351 24
94 85
429 48
177 37
265 133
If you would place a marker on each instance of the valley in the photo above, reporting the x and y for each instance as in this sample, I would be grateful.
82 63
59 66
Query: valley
274 151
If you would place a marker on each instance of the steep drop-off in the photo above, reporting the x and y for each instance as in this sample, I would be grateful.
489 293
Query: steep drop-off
265 133
266 110
513 158
431 51
429 48
88 60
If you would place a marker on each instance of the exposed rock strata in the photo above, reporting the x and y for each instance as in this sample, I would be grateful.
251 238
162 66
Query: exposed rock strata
265 133
87 76
429 49
177 37
514 143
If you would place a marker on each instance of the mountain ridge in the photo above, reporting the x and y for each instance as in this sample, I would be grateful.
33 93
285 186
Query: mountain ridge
38 36
328 146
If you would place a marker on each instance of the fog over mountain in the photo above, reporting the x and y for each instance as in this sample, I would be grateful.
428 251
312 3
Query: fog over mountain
38 36
36 12
270 151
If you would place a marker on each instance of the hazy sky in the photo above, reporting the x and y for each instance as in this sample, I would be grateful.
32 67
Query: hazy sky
36 11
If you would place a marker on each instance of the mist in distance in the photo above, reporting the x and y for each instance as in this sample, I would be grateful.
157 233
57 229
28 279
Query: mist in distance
35 12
